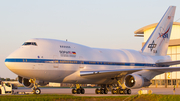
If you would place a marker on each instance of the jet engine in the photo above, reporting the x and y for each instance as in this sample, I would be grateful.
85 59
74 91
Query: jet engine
136 81
27 84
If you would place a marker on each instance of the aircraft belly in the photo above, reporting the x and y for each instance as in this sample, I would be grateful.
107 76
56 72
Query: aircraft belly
50 75
43 71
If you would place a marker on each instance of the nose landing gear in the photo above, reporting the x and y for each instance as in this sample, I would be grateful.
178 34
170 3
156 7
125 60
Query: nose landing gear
35 89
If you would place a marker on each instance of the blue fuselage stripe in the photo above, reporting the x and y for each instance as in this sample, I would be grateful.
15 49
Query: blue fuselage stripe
78 62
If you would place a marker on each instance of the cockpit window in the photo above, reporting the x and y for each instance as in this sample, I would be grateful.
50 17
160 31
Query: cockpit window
29 43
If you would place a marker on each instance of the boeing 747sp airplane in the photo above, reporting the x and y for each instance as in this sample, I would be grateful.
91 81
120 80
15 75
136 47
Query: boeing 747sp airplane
39 61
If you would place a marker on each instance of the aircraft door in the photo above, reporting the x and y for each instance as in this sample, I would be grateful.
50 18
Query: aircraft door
55 61
81 65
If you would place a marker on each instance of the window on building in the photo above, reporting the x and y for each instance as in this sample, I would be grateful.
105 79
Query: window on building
162 82
169 50
178 49
178 82
174 82
169 82
174 57
174 50
158 82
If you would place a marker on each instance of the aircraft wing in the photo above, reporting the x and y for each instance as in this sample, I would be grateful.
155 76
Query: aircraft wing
163 69
168 63
115 72
123 72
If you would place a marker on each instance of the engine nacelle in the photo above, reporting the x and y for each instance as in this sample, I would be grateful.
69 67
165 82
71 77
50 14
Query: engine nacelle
27 84
136 81
20 79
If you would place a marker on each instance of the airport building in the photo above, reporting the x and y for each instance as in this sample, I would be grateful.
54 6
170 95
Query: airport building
168 79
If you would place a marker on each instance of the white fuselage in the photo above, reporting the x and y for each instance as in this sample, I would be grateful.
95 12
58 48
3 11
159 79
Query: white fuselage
54 60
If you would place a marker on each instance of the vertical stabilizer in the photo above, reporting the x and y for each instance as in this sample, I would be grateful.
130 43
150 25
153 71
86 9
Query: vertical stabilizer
158 42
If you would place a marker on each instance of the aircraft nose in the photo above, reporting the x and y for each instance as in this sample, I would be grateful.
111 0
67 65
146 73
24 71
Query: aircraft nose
12 60
9 63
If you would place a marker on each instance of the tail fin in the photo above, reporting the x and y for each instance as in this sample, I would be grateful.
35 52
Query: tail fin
158 42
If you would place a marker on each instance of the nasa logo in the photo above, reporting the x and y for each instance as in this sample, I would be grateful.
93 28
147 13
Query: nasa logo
163 35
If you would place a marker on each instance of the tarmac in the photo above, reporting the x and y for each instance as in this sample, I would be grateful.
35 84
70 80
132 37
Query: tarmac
91 91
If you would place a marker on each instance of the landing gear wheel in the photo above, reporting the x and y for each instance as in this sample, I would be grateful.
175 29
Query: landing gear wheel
105 91
37 91
97 91
78 91
118 91
121 91
125 91
113 91
73 91
82 91
101 91
128 91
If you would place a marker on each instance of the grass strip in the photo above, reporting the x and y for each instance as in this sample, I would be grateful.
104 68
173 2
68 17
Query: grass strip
157 97
56 97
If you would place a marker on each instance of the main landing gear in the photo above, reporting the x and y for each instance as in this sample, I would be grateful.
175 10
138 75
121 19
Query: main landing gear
115 89
102 90
78 90
35 89
120 89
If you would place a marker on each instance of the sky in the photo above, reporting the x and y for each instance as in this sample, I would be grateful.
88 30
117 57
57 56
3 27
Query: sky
94 23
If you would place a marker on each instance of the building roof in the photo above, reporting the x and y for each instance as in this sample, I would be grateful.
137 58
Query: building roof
141 30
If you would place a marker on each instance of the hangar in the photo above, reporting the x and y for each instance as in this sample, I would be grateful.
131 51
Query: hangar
168 79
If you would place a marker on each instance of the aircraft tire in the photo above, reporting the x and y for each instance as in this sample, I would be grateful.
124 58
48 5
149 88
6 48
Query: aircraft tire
128 91
118 91
37 91
121 91
82 91
125 91
73 91
113 91
78 91
101 91
97 91
105 91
